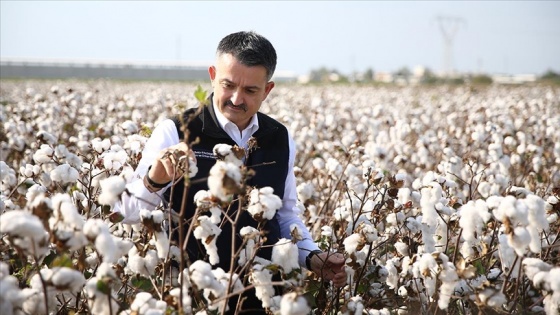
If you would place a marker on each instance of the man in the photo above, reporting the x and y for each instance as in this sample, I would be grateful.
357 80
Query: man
245 63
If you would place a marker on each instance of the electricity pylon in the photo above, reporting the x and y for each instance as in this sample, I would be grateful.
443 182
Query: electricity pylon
448 26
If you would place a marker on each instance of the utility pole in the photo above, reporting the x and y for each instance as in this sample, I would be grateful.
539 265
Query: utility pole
178 48
448 26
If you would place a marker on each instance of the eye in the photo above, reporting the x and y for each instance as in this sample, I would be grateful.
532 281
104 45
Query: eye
227 85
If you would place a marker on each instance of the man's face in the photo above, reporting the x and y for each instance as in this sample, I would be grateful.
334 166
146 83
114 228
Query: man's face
239 90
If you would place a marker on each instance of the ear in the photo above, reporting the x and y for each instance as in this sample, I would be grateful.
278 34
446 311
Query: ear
268 87
212 72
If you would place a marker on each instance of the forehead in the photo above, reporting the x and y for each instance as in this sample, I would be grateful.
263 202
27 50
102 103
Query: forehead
230 68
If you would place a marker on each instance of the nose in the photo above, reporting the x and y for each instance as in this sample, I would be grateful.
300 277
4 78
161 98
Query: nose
237 98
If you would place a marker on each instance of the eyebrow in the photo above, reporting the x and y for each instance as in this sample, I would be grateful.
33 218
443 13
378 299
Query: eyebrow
250 87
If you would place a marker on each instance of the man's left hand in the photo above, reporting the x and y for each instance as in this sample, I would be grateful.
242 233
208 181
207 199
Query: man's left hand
330 266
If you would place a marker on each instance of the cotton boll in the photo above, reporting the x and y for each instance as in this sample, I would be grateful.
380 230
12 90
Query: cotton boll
251 236
64 173
261 277
318 164
44 154
208 233
393 277
24 228
414 224
294 304
305 191
492 297
35 191
162 244
474 216
334 168
46 137
200 273
401 248
285 254
536 213
158 216
64 278
224 180
141 302
341 213
66 211
355 305
263 203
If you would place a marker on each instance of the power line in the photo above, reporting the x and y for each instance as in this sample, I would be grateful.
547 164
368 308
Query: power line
448 25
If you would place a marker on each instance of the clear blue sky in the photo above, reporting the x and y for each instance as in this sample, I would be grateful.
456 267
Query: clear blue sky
497 37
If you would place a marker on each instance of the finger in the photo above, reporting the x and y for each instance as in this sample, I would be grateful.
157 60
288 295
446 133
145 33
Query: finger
170 169
192 155
339 283
340 279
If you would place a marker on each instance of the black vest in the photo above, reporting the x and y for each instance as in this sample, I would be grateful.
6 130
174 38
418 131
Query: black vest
269 161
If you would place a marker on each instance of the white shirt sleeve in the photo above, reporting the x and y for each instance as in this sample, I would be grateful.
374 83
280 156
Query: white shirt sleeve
289 213
163 136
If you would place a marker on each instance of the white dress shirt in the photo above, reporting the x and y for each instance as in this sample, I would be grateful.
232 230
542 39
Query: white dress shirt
165 135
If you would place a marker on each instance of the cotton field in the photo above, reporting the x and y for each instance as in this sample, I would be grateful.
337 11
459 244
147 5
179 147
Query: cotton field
442 199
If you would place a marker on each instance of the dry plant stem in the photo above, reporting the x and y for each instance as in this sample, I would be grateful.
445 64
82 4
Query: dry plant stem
154 284
233 257
485 255
362 199
248 287
182 240
109 301
43 283
78 298
516 291
362 270
550 246
457 245
509 274
494 233
333 188
15 188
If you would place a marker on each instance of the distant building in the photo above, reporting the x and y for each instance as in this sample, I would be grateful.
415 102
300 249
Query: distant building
385 77
514 78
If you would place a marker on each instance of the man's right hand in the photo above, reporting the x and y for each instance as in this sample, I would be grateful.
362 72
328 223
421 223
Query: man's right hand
164 168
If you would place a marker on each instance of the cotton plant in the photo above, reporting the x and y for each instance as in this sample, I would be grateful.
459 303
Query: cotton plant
205 203
25 232
473 218
261 278
252 240
111 190
97 232
144 303
213 283
523 220
101 298
152 221
545 278
66 224
11 297
455 133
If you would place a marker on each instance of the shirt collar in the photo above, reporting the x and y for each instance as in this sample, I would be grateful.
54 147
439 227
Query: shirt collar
224 122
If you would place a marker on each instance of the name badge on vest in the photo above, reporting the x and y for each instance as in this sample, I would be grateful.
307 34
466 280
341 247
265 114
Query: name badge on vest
209 155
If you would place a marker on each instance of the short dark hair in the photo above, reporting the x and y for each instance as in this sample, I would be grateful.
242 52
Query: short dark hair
251 49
